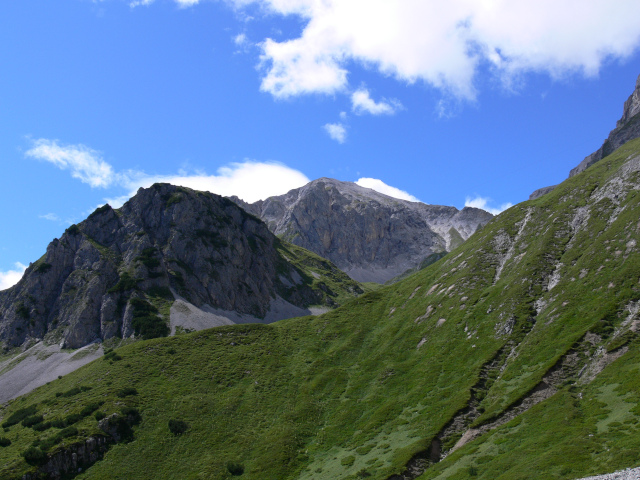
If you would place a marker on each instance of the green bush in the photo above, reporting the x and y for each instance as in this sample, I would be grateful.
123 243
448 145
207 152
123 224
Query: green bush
72 230
58 423
31 420
126 282
89 409
4 442
348 461
99 416
34 456
73 418
42 426
19 415
178 427
68 432
127 391
234 468
132 415
44 267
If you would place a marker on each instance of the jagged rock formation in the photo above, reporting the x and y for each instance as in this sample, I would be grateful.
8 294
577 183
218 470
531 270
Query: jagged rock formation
118 272
627 128
370 236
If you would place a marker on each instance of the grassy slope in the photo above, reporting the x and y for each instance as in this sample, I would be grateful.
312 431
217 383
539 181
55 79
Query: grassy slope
368 385
320 273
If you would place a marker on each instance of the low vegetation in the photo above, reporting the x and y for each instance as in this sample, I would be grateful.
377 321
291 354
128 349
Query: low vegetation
520 335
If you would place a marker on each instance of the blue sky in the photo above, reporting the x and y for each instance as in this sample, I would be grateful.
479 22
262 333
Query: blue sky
448 102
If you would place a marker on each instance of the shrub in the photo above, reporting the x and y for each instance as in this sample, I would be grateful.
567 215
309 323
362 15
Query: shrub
42 426
32 420
4 442
99 415
126 282
235 469
473 471
348 461
19 415
73 418
68 432
72 230
178 427
363 473
132 414
34 456
58 423
89 409
127 391
22 311
71 393
44 267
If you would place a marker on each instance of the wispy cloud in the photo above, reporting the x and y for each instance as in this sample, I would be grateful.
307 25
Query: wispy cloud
380 186
84 163
483 203
361 102
337 131
11 277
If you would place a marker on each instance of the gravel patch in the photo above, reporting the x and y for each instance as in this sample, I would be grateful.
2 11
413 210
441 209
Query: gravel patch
628 474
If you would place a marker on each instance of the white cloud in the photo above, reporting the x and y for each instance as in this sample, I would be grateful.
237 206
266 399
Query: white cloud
240 39
380 186
187 3
84 163
361 102
249 180
443 43
11 277
52 217
336 131
138 3
483 203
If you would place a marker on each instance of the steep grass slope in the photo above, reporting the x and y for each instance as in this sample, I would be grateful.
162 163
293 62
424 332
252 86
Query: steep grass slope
516 357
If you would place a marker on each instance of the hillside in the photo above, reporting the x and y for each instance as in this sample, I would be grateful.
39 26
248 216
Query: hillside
514 357
370 236
170 258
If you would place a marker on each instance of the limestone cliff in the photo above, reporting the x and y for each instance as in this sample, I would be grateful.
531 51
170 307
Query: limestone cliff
117 273
627 128
370 236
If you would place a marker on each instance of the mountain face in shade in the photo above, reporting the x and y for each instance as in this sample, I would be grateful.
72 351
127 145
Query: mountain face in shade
169 253
370 236
627 128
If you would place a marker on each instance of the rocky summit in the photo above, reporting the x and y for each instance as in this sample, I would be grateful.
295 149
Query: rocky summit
171 257
370 236
627 128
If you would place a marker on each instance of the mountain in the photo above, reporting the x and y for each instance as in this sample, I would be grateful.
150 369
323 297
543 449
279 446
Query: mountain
370 236
516 356
627 128
169 258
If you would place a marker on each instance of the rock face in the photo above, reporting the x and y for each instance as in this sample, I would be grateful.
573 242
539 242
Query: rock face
119 271
370 236
627 128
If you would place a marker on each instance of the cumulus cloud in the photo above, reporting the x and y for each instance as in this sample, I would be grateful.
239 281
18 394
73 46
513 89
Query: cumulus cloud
84 163
483 203
380 186
249 180
11 277
361 102
336 131
442 43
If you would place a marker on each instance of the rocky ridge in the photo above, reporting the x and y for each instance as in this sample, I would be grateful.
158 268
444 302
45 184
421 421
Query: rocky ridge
118 273
370 236
627 128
